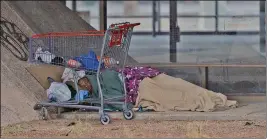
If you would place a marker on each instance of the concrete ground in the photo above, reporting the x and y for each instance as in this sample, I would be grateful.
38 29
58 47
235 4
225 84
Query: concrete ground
65 128
247 121
245 111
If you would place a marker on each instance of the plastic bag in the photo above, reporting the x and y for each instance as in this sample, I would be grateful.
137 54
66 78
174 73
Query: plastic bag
68 75
58 92
83 94
44 56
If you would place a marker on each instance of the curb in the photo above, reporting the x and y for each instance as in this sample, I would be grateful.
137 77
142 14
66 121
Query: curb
172 116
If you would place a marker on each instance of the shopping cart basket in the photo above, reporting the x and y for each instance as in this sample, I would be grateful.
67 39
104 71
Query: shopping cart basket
58 48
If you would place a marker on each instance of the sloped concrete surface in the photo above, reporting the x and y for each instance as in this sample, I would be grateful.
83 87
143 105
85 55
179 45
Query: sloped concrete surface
48 16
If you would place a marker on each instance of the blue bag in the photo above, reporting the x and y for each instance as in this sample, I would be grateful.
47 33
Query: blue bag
83 94
89 61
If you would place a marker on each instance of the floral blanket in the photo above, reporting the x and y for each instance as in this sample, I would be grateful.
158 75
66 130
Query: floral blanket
133 76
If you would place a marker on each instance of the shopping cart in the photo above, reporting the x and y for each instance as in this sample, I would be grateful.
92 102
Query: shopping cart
59 48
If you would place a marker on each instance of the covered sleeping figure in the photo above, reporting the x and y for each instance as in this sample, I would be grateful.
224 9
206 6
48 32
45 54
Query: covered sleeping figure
153 90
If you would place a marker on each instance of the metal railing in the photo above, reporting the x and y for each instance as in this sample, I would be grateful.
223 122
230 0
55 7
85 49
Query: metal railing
156 17
216 31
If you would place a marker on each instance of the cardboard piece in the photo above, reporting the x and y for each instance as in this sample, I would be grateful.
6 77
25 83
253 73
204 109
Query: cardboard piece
41 72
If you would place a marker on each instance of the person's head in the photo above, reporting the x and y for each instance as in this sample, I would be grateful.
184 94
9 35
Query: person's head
85 83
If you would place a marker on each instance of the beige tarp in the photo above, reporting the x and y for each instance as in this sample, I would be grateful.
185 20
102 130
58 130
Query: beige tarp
166 93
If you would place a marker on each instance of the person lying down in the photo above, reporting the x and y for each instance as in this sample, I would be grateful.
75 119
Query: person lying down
150 89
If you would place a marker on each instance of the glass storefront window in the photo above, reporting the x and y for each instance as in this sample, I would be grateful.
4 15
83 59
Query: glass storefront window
239 24
189 8
234 8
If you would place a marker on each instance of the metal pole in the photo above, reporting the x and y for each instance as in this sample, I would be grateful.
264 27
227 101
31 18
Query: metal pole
154 19
74 6
205 80
216 15
265 48
158 17
266 41
262 26
103 14
173 24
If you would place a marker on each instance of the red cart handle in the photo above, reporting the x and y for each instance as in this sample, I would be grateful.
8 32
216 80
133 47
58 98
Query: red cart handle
117 24
132 25
125 25
118 32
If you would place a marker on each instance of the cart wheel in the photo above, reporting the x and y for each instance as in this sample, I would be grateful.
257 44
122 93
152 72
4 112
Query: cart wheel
82 110
37 107
128 114
104 119
44 113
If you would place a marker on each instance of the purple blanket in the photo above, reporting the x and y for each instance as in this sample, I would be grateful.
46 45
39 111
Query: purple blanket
133 76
